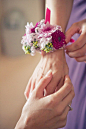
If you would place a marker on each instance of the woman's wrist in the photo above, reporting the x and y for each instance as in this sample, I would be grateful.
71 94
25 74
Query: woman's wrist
22 123
58 54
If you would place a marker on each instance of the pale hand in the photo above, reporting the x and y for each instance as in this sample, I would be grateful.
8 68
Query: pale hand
48 112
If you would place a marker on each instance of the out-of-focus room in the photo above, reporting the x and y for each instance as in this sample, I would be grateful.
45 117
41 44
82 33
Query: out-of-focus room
15 67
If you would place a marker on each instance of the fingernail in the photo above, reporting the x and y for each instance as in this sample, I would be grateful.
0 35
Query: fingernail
67 76
72 40
49 73
45 92
25 95
30 94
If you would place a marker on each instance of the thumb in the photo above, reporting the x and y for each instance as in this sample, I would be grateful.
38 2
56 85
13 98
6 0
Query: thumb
71 31
43 83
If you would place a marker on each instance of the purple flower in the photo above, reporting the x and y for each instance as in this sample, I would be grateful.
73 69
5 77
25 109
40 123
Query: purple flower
58 39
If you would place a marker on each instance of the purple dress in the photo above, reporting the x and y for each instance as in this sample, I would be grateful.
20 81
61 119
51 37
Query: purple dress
77 118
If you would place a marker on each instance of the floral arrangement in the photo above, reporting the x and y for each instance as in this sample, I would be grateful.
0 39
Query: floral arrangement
42 36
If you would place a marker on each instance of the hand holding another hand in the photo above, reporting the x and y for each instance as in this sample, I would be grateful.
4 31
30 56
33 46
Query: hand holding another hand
78 49
54 61
51 111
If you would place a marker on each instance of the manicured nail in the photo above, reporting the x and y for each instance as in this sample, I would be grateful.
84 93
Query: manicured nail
72 40
49 73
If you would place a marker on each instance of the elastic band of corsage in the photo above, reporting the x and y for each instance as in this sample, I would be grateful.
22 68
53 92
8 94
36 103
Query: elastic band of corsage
43 36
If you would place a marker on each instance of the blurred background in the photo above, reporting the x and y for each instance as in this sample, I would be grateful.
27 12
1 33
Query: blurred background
15 67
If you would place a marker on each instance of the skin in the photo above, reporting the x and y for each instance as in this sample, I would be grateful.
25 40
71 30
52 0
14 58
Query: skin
48 112
56 60
47 62
78 49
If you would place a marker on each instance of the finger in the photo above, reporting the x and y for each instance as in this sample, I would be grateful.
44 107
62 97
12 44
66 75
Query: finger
56 119
60 124
64 114
63 91
43 83
78 53
79 43
52 85
39 76
71 31
81 59
27 90
55 123
67 100
59 85
32 88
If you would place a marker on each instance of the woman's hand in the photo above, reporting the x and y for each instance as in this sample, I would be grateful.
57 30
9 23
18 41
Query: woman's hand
78 49
54 61
48 112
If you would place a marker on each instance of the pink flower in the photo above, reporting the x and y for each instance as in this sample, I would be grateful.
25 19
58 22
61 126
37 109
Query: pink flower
46 30
33 29
58 39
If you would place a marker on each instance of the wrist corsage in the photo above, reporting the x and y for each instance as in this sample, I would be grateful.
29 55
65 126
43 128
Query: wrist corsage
43 36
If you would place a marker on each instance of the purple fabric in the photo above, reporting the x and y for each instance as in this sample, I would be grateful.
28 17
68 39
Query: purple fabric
77 118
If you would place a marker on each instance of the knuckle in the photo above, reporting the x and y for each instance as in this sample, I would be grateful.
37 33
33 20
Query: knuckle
60 111
78 45
75 24
73 94
69 85
63 117
51 101
63 123
80 53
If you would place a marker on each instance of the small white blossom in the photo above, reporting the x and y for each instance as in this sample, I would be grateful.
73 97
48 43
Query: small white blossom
33 50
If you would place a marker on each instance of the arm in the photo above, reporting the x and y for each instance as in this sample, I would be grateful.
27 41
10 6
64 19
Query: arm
60 12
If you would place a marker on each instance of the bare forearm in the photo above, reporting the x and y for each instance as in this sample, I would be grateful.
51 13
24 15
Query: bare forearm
60 12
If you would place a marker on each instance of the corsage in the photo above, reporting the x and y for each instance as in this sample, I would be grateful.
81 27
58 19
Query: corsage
43 36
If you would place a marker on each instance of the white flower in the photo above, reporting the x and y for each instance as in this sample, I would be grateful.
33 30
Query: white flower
24 40
29 27
44 41
33 50
23 48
